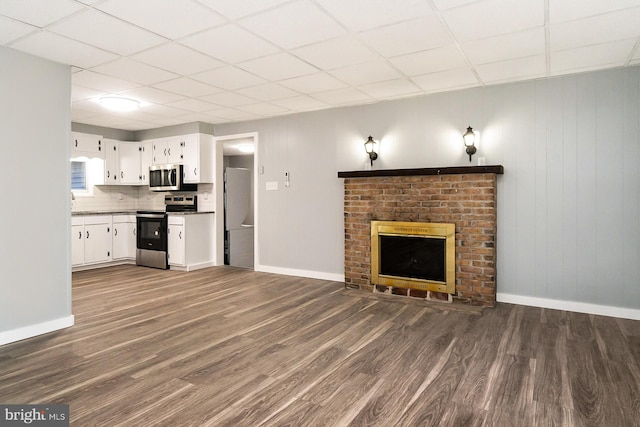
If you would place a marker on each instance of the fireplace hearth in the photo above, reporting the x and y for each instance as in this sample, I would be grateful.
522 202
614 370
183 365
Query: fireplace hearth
462 196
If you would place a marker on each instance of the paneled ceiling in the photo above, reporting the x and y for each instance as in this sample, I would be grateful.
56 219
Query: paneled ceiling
234 60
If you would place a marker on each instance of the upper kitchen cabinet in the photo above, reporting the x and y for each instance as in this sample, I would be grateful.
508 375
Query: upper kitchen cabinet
87 145
167 150
135 159
111 162
198 159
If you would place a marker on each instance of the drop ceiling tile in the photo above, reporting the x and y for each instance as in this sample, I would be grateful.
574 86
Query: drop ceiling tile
309 26
366 73
61 49
177 59
504 47
563 10
165 111
78 115
430 61
361 15
230 78
517 69
198 117
215 43
239 9
233 114
106 32
586 58
264 109
194 105
170 18
335 53
89 105
11 30
301 103
268 92
447 80
407 37
449 4
391 89
229 99
92 80
344 96
493 17
39 13
597 29
79 93
128 69
187 87
312 83
278 67
153 95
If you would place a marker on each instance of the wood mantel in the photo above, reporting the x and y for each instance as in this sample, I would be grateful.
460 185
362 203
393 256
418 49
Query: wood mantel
455 170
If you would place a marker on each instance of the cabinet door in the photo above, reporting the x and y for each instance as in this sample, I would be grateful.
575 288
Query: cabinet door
159 150
97 243
77 245
130 163
191 158
175 244
84 144
111 162
120 241
146 160
174 150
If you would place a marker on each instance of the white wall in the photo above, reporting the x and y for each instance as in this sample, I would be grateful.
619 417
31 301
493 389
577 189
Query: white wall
35 269
568 203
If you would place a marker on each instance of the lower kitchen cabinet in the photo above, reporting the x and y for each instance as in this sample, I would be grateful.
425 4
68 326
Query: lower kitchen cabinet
90 239
124 237
190 241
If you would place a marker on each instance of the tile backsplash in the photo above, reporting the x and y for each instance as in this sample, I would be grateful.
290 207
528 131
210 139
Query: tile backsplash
114 198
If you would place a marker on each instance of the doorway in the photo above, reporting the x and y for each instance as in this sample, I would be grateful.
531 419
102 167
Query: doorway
239 228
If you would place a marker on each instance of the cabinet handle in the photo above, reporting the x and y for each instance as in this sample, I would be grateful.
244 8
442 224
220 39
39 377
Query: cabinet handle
169 151
134 231
108 230
140 149
108 174
139 177
115 231
114 148
180 235
108 253
194 171
165 151
87 234
76 142
122 174
79 234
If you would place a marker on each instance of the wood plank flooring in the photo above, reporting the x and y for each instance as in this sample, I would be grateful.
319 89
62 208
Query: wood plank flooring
231 347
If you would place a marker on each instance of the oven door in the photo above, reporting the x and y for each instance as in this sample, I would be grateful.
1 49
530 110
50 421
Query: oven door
152 231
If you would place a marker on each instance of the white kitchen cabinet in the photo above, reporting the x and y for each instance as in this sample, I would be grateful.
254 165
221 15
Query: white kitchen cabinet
167 150
124 237
190 241
88 145
77 243
91 239
197 153
130 173
146 160
111 162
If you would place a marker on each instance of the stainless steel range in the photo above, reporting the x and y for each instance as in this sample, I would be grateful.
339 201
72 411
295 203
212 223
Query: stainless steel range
152 231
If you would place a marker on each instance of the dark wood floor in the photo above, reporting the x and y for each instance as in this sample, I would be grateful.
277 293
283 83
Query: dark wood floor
229 347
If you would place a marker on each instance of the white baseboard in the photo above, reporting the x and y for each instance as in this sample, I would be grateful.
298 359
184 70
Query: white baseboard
579 307
35 330
193 267
300 273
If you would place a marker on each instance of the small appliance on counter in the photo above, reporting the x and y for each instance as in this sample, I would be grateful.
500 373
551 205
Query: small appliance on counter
151 230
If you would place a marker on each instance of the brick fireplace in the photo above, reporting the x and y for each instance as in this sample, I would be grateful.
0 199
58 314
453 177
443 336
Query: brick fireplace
464 196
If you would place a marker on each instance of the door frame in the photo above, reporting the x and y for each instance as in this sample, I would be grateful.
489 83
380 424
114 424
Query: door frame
219 142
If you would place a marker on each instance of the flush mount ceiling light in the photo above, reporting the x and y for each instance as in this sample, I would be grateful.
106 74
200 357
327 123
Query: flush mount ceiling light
118 103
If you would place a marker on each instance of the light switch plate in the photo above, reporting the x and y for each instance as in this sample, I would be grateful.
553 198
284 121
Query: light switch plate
272 185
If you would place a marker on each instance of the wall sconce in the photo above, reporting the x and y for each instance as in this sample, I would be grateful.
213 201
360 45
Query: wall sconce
469 139
369 147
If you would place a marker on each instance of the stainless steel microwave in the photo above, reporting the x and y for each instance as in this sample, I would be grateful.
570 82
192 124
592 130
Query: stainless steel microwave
168 178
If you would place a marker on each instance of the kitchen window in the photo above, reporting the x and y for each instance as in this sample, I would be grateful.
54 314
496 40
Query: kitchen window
78 175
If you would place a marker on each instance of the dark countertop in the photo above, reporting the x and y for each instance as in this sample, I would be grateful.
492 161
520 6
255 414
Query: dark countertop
85 213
